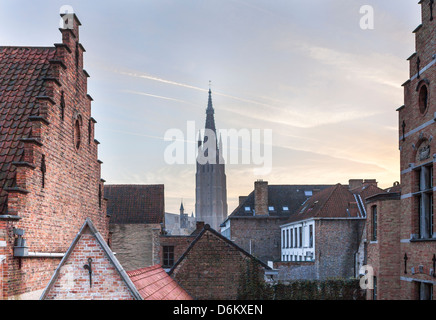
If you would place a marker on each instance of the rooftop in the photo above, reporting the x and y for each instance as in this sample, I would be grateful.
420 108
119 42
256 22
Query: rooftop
134 204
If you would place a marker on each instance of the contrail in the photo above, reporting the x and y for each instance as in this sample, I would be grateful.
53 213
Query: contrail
145 76
154 96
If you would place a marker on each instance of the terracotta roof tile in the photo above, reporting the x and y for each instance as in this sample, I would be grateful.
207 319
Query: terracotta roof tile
135 203
334 202
153 283
22 70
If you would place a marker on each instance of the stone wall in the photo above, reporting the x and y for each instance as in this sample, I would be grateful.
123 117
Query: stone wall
135 244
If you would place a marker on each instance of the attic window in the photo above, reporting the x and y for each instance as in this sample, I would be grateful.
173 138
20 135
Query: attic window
271 208
308 193
285 208
247 209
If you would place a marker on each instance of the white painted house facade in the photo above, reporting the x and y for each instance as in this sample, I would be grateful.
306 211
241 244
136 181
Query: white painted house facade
298 241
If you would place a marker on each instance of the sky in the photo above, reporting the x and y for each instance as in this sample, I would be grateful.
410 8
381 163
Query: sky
305 71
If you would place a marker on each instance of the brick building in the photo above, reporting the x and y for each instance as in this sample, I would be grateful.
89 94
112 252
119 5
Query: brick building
413 246
49 171
255 224
90 271
212 266
172 247
322 238
137 216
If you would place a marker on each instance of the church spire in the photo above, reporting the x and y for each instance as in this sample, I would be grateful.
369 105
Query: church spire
210 119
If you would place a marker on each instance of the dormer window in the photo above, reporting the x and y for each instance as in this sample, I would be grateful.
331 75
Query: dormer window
285 208
247 209
270 208
308 193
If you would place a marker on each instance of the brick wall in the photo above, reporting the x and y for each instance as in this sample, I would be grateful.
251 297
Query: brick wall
264 233
336 242
51 215
180 244
384 254
295 270
73 281
212 269
420 130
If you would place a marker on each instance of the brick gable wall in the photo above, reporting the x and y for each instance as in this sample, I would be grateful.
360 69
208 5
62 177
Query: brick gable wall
420 130
52 214
73 280
212 269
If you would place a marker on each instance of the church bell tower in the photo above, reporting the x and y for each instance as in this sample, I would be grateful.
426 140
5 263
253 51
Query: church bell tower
210 189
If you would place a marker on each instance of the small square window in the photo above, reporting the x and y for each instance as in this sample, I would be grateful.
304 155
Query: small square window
285 208
247 209
271 208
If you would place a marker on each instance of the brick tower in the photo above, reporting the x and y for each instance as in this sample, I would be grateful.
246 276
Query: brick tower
211 190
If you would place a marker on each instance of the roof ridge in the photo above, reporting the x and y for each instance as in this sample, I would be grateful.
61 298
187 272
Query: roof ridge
220 236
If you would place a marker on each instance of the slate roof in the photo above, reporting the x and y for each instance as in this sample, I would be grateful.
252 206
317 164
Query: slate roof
22 73
396 188
337 201
135 204
153 283
279 196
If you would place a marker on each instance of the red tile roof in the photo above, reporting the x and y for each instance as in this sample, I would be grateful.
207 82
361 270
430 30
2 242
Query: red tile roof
22 73
153 283
135 203
334 202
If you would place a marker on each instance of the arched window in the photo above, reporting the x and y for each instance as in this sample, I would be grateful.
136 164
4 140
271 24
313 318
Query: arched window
77 133
423 98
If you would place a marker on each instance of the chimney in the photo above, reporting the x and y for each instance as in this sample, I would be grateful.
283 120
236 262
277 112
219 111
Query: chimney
200 226
370 182
261 198
355 183
242 199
